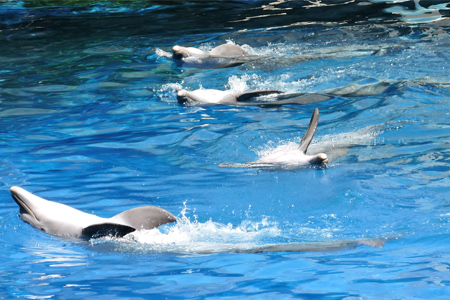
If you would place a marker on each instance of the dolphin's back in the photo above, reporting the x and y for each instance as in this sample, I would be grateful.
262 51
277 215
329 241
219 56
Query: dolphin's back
139 218
145 217
228 50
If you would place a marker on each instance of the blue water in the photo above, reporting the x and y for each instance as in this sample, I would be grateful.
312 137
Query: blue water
89 118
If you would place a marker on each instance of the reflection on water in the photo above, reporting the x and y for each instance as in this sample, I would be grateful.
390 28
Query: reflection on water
89 117
432 11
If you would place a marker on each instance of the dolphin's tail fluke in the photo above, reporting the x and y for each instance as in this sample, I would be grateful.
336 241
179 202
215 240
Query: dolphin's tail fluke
307 138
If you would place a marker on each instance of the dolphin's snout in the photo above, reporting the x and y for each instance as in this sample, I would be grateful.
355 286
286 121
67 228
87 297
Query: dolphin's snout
15 189
318 159
322 158
19 195
177 52
15 193
182 96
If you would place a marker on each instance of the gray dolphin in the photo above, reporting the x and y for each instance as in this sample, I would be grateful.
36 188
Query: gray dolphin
67 222
225 50
222 56
377 242
363 88
233 247
216 97
290 159
273 98
265 98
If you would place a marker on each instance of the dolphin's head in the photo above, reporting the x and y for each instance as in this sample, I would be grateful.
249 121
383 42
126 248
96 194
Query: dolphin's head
51 217
179 52
29 206
183 96
318 159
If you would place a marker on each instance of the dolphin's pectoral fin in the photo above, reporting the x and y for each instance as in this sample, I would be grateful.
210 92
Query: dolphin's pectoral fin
106 229
145 217
307 138
253 94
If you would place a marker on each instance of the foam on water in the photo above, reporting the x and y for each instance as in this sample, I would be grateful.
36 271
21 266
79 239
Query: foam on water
239 84
167 92
194 237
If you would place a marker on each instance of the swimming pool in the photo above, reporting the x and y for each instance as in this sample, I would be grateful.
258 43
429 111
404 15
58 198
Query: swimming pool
89 117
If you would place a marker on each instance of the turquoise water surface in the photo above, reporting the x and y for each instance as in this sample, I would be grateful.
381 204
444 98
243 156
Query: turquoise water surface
89 118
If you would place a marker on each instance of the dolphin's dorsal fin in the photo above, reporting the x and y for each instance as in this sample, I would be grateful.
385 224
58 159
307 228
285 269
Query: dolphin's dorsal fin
307 138
253 94
145 217
106 229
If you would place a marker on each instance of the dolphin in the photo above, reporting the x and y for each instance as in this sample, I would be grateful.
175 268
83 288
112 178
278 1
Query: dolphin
216 97
264 98
222 56
290 159
274 98
67 222
362 88
377 242
225 50
236 247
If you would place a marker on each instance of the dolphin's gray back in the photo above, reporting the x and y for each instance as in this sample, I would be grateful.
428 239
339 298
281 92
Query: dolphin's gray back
228 50
145 217
307 138
318 247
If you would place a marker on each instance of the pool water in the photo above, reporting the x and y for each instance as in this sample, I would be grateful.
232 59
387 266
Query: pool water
89 118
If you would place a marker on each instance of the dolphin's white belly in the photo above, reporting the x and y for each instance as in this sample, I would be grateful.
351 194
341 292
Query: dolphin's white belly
69 222
213 96
295 157
61 220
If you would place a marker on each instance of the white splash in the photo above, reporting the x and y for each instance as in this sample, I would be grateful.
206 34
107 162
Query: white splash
194 237
239 84
167 91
